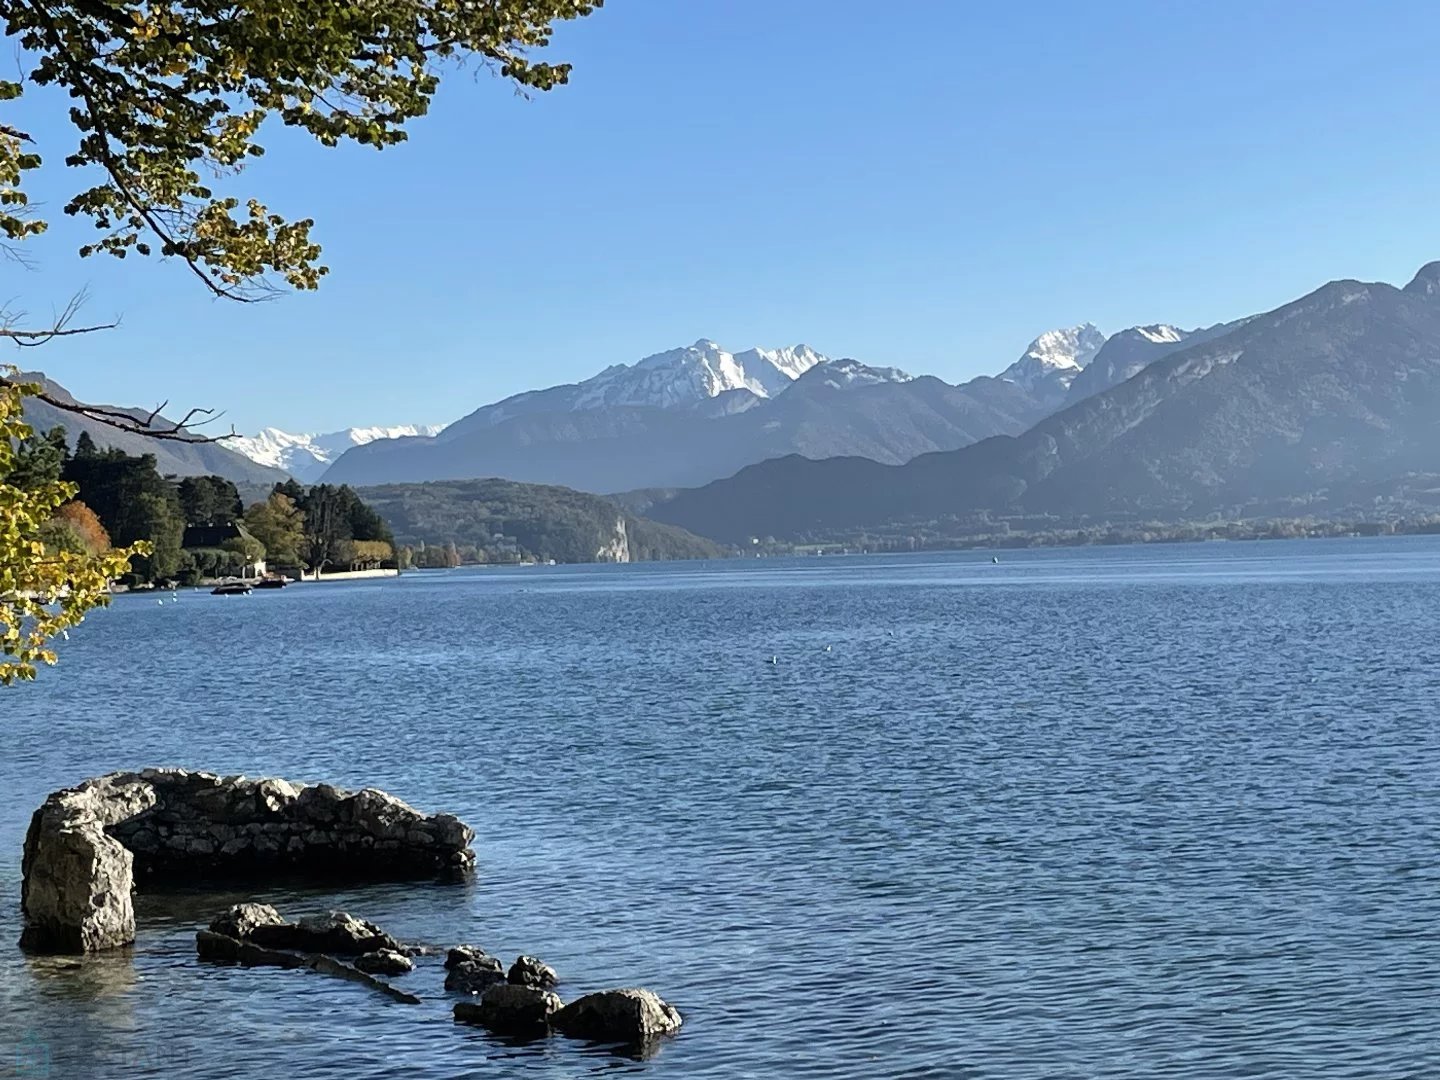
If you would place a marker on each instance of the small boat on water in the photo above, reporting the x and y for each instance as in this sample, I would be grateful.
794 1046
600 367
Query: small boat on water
231 588
272 583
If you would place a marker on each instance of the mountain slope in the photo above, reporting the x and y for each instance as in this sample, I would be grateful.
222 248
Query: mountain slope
172 457
1129 352
1327 396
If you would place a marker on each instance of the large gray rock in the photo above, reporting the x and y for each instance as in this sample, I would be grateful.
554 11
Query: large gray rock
624 1016
528 971
86 845
77 878
511 1010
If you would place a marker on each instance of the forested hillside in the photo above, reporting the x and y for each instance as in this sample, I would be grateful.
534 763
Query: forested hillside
501 521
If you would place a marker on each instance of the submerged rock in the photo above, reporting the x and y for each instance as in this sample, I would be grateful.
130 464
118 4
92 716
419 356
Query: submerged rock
87 844
626 1016
221 949
511 1010
528 971
384 962
328 965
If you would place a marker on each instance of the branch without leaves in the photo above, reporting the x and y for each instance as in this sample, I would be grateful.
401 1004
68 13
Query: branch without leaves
151 425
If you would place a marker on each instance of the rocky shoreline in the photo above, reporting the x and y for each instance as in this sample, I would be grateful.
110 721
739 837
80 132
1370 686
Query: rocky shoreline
86 846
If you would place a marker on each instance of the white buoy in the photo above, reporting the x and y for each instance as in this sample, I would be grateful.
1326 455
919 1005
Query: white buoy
827 648
774 660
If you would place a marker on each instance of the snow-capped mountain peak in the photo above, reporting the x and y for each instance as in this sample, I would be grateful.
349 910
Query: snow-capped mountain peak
688 377
305 456
775 369
1054 359
695 373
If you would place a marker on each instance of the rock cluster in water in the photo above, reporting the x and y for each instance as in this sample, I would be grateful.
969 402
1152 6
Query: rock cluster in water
521 1002
87 844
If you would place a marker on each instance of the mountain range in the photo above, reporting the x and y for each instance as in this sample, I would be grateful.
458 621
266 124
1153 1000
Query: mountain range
687 416
307 456
1330 401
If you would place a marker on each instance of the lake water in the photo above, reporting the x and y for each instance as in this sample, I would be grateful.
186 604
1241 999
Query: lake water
1167 811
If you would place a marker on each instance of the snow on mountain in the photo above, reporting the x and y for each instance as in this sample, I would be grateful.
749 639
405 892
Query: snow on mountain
701 376
775 369
1160 333
1054 359
844 374
693 374
306 456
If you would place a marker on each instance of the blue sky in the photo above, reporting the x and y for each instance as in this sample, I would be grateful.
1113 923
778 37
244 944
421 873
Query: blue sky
927 185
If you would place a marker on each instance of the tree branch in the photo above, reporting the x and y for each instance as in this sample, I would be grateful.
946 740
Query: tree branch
153 425
82 88
60 327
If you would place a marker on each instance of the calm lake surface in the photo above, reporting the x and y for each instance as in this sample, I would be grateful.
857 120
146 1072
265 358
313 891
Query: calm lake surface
1125 813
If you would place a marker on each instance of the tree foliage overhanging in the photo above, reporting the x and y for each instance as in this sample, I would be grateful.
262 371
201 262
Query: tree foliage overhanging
44 590
165 96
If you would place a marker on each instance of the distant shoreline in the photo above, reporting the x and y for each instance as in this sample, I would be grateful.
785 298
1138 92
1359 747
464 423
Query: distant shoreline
1108 536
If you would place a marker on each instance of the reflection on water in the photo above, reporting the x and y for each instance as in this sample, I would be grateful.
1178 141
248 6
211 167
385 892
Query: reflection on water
87 979
1122 813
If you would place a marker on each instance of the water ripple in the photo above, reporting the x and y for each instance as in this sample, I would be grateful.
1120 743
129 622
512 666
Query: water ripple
1121 813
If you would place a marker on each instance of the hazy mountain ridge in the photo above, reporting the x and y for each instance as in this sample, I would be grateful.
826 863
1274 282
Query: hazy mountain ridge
1336 392
833 407
687 416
